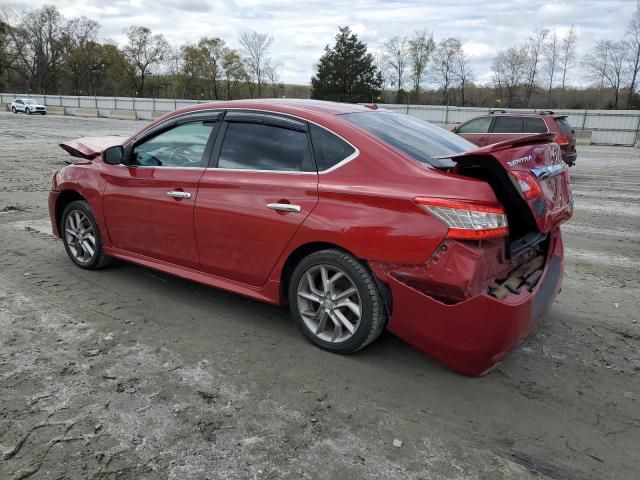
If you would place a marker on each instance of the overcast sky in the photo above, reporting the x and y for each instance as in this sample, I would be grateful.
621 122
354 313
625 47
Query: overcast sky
302 28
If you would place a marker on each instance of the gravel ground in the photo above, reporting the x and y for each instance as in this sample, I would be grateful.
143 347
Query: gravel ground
131 374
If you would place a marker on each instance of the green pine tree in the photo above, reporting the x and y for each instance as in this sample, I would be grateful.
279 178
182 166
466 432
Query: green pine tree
346 72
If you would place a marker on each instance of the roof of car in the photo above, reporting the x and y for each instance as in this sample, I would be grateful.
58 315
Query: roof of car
318 106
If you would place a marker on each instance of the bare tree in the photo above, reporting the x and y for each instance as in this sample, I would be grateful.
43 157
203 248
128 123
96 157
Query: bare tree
84 57
255 47
633 46
144 51
271 74
380 62
551 53
535 46
568 53
606 63
8 54
40 40
510 72
396 53
175 66
421 48
463 72
444 61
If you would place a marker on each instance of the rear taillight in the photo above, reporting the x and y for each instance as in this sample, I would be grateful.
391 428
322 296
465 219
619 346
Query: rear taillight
527 183
467 220
562 140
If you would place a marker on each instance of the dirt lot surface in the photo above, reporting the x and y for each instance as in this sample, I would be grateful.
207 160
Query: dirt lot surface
126 373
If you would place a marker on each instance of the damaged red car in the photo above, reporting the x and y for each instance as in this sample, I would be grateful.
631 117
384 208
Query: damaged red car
359 219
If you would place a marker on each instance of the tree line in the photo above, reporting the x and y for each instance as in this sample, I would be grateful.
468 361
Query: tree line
41 51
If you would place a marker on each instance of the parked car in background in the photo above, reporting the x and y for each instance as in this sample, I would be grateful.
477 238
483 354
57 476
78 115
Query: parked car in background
27 106
359 220
499 126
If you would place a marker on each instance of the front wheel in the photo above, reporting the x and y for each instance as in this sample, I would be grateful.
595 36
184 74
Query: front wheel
81 236
13 109
28 111
335 301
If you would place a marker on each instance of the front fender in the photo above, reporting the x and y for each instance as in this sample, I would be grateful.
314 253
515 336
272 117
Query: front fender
84 179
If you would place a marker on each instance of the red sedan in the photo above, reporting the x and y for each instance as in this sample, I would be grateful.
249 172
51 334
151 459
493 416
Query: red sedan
359 219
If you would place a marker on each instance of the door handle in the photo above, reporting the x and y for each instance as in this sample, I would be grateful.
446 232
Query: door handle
284 207
177 194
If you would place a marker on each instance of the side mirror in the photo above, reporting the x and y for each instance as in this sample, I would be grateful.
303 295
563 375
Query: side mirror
113 155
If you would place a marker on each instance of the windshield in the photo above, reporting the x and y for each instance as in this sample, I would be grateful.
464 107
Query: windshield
421 140
29 102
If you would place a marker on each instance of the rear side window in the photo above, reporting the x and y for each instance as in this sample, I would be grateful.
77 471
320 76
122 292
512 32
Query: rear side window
418 139
253 146
328 149
477 125
508 125
564 125
534 125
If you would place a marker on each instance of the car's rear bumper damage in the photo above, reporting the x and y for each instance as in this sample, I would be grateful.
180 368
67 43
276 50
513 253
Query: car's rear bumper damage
468 307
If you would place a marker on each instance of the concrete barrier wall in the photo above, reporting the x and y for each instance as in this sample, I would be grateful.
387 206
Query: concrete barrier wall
123 114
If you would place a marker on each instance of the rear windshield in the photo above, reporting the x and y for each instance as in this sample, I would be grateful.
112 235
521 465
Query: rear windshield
564 125
421 140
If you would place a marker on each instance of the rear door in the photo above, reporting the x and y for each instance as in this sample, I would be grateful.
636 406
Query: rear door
261 186
148 203
476 130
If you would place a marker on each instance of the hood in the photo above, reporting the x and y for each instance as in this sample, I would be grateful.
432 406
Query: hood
91 147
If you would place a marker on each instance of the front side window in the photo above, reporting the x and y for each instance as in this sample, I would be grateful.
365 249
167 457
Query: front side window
508 125
418 139
255 146
477 125
181 146
328 148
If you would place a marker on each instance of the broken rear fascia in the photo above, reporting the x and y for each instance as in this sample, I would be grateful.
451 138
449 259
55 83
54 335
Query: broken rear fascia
472 334
458 270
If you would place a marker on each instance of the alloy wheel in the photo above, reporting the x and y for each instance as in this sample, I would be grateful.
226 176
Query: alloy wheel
80 236
329 303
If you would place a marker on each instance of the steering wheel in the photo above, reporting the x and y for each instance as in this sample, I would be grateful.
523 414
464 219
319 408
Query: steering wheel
181 156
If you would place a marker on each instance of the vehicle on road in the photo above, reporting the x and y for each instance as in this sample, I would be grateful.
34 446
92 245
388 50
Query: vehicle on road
28 106
359 220
500 125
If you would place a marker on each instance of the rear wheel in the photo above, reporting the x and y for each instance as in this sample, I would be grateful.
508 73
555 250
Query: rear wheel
335 301
81 236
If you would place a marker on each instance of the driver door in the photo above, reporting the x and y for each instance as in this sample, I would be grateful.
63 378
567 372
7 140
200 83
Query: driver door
148 203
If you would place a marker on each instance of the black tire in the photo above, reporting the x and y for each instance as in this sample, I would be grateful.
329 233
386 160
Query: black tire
28 111
373 312
13 109
98 259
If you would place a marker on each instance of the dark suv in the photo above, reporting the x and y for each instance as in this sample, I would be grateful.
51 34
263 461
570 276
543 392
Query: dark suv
499 126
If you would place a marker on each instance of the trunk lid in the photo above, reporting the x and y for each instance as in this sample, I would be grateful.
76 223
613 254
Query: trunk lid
536 170
91 147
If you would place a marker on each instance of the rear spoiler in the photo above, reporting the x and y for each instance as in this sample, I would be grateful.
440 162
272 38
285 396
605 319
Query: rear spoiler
91 147
516 142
